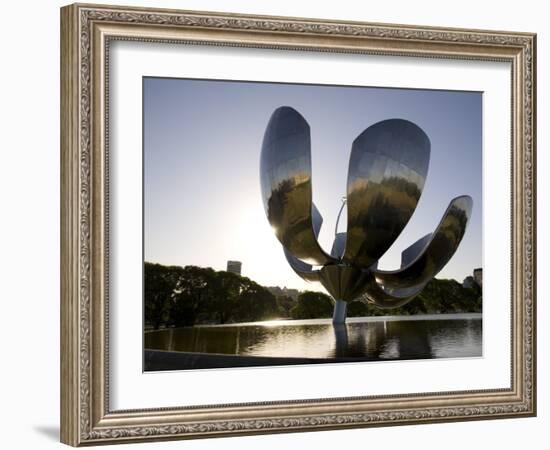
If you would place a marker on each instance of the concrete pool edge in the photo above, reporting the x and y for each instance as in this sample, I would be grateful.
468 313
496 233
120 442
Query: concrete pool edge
161 360
165 360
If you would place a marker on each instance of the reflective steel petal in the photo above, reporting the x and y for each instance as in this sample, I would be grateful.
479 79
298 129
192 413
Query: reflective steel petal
345 283
301 268
285 174
412 252
387 169
382 299
338 245
431 257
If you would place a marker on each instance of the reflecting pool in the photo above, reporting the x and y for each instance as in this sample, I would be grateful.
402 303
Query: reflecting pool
372 339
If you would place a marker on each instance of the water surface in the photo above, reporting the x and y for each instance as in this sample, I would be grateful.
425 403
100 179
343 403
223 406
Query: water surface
372 338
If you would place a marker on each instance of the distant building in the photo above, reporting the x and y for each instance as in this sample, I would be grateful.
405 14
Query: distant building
287 292
477 279
234 267
468 282
478 276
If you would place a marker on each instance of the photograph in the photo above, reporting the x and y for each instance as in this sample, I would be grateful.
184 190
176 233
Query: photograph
288 223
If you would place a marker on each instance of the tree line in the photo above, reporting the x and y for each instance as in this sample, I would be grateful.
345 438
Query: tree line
438 297
184 296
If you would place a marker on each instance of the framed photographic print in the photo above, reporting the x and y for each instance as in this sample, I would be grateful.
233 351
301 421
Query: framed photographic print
276 224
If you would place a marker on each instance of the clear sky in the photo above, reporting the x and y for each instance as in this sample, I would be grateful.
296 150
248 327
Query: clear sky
202 141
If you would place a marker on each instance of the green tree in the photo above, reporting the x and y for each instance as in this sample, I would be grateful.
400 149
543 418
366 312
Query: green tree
449 296
357 309
255 303
159 290
284 304
312 305
225 290
192 296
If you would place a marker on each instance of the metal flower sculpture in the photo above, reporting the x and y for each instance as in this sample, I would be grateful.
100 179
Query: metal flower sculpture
387 169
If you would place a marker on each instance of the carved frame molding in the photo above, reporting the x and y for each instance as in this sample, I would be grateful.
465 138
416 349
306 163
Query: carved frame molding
86 31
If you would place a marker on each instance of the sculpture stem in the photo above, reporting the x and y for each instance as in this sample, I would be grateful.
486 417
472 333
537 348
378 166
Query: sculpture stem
340 309
341 339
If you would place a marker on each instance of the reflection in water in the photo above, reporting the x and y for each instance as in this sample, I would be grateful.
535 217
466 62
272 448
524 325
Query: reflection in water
366 339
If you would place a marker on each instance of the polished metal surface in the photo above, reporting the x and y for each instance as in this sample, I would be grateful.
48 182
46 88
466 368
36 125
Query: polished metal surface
436 253
285 175
301 268
387 170
411 253
338 246
381 298
344 282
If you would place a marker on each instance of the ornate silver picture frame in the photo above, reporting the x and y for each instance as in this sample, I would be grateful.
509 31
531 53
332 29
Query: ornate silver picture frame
87 34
